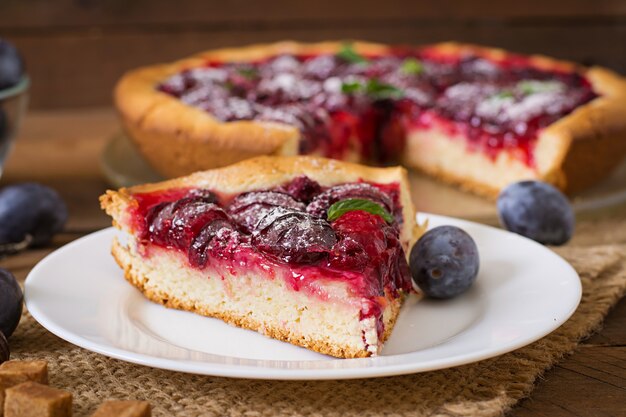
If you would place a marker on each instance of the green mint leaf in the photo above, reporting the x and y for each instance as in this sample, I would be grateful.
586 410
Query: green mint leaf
528 87
351 87
504 94
348 54
412 66
373 88
344 206
249 73
378 90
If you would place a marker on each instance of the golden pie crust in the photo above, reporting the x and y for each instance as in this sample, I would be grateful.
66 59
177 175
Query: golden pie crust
572 153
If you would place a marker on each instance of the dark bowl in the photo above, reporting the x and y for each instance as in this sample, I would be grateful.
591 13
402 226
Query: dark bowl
13 103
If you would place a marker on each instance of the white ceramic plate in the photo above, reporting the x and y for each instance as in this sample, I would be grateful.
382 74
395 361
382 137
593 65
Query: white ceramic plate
523 292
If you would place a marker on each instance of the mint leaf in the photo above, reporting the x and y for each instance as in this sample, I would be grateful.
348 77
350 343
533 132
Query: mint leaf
351 88
378 90
412 66
249 73
373 88
348 54
528 87
344 206
504 94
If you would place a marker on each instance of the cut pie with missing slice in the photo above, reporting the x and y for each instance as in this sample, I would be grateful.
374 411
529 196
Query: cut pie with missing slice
307 250
475 116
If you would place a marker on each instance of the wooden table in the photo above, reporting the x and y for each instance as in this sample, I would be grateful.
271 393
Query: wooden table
62 149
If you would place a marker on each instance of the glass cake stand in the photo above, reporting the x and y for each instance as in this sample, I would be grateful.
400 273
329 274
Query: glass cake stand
123 166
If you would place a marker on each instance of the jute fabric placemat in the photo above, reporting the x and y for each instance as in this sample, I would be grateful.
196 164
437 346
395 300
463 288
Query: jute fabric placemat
486 388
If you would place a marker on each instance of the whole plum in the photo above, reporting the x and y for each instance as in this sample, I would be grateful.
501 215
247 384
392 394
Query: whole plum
538 211
444 262
11 300
31 213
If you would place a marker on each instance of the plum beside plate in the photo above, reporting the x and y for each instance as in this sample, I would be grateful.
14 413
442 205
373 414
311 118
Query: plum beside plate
11 302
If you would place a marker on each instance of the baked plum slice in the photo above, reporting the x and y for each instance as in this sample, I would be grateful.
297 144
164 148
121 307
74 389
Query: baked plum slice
363 237
301 188
293 236
217 238
370 245
177 223
190 219
247 209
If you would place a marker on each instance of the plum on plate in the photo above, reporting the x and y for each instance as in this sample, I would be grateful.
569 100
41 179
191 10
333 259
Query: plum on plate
444 262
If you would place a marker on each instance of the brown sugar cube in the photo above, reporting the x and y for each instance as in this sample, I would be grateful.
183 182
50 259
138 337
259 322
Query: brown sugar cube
32 399
22 371
123 409
16 372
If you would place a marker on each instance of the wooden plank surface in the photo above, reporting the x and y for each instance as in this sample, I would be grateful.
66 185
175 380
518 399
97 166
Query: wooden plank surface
62 149
76 50
81 70
72 13
597 393
591 382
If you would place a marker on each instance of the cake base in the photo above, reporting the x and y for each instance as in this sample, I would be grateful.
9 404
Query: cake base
260 303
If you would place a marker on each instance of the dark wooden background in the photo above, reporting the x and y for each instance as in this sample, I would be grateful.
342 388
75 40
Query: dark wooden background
77 49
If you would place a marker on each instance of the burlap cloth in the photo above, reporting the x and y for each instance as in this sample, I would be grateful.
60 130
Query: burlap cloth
486 388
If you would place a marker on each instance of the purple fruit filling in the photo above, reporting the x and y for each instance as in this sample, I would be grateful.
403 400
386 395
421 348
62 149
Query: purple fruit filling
284 226
366 106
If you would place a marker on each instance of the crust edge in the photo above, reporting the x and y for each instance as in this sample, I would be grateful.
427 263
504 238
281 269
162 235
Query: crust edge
590 142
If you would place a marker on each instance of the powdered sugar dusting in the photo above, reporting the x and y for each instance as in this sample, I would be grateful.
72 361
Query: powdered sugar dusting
293 236
247 209
534 105
493 106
